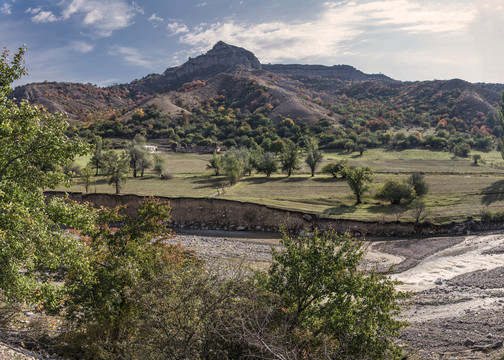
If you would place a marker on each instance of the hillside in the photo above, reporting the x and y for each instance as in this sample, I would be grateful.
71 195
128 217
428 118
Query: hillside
230 81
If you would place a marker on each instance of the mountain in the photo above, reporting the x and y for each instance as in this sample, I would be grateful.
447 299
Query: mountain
234 78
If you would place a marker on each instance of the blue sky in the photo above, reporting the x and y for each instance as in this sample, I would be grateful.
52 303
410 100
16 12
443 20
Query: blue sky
115 41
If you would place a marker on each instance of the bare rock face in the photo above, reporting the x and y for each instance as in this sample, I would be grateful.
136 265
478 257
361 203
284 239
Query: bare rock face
221 58
341 72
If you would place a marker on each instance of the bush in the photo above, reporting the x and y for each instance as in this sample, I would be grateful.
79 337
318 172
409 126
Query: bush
462 149
417 181
336 168
395 191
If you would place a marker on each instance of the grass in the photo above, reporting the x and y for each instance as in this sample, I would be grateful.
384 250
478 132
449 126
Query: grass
458 189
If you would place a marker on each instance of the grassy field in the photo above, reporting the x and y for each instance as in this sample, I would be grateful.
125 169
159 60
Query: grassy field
458 189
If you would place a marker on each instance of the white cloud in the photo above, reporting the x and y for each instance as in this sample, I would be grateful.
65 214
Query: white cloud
154 17
201 4
103 16
81 46
32 10
132 56
175 28
339 27
6 9
44 17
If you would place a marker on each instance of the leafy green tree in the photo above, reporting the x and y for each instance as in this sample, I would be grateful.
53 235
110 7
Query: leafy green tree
233 168
116 261
395 191
417 180
462 149
476 158
331 308
216 163
313 156
336 168
96 160
33 251
500 115
357 179
290 157
138 155
159 164
267 164
87 177
117 168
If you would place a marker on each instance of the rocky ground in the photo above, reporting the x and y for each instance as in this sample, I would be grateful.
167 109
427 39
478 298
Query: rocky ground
458 286
456 311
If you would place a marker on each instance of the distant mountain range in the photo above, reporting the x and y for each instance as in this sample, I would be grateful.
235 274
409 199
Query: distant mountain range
338 93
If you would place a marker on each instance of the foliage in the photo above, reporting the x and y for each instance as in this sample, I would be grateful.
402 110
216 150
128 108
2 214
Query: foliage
357 179
419 184
87 177
33 147
395 191
462 149
418 210
336 168
500 114
116 168
233 167
139 157
267 164
476 158
116 261
159 164
216 163
333 309
290 158
313 156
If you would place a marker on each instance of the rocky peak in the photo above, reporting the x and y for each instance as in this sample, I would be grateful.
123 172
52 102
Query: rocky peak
221 58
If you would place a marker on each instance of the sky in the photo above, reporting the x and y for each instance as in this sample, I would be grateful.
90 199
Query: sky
104 42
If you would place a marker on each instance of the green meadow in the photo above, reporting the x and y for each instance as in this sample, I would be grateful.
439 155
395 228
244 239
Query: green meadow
457 188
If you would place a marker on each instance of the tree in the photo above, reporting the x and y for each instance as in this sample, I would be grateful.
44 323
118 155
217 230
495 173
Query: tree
476 158
419 184
395 191
462 149
267 164
159 164
500 114
290 157
332 309
216 163
34 252
87 177
116 261
96 160
313 156
336 168
117 168
357 179
233 168
138 155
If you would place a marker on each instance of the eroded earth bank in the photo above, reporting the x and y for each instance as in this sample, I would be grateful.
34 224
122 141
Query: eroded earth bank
458 306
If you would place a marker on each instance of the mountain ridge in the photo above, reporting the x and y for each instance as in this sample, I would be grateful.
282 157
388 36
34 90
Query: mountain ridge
307 92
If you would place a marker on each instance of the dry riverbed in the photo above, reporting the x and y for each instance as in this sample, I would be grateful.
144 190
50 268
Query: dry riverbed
457 308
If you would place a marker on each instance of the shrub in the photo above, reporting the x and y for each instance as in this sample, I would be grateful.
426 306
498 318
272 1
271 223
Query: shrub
417 181
395 191
462 149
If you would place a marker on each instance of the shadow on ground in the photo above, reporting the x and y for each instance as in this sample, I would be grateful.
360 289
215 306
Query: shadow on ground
493 193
